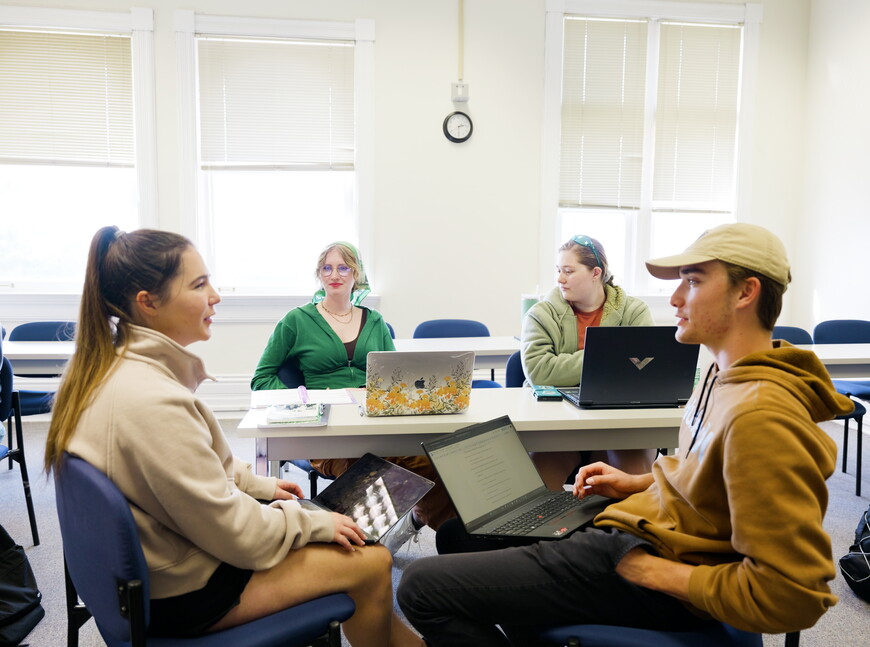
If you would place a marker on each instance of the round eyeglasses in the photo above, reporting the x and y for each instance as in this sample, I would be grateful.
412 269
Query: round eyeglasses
343 270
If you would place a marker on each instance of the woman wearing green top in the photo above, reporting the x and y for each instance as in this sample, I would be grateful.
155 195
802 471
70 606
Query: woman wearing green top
329 340
553 335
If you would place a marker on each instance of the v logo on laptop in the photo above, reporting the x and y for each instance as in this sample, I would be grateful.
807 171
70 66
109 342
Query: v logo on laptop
640 363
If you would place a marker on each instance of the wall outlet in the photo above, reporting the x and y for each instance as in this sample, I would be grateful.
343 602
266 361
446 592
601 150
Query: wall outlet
459 91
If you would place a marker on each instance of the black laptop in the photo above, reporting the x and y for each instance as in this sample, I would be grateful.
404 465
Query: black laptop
373 492
634 367
496 489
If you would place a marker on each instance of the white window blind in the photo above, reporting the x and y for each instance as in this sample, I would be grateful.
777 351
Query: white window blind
696 119
66 99
602 112
276 104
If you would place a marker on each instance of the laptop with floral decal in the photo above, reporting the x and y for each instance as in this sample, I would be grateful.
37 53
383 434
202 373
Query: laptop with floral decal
411 383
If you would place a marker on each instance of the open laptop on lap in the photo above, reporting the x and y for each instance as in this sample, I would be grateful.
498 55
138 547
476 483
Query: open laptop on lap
496 489
407 383
373 492
634 367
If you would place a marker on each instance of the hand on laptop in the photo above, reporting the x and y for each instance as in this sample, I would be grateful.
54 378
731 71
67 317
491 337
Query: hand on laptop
347 532
287 490
601 478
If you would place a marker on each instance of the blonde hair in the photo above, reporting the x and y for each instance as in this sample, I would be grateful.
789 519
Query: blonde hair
351 259
119 266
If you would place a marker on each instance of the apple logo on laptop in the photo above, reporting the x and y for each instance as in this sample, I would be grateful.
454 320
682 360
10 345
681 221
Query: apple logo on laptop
420 384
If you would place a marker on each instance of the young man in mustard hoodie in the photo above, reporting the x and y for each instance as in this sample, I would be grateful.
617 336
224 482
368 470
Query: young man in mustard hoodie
729 528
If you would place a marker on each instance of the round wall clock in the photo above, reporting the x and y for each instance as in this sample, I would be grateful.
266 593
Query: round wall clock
457 127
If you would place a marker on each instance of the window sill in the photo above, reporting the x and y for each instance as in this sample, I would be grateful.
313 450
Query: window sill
234 308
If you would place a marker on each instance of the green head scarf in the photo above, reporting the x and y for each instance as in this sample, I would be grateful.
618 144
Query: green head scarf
361 286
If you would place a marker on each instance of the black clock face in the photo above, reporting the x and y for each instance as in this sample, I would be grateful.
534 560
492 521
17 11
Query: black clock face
457 127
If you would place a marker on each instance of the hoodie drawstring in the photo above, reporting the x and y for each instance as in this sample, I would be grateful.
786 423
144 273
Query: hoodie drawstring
701 408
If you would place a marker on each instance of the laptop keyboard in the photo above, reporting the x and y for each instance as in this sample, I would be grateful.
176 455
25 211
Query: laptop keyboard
528 521
572 395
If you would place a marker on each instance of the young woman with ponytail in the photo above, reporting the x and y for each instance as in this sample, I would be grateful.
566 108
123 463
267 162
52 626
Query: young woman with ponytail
217 556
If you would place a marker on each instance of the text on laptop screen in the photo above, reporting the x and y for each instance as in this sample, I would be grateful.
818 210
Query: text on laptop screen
486 471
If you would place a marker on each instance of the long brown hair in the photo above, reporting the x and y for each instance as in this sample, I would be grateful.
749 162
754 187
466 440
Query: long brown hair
119 266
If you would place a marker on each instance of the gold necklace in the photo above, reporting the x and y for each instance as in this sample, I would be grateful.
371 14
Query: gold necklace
336 316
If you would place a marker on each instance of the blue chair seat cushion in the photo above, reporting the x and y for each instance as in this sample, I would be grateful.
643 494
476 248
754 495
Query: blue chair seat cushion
716 634
307 620
859 389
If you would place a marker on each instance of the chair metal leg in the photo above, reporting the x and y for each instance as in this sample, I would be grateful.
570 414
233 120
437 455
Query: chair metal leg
859 446
334 633
18 456
845 442
10 438
77 613
312 483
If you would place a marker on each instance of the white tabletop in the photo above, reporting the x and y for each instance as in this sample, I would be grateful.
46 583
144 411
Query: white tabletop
543 426
38 357
844 361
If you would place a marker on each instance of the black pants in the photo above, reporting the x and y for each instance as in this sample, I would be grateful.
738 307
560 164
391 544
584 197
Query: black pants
458 600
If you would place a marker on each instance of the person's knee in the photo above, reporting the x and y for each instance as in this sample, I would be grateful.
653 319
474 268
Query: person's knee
412 587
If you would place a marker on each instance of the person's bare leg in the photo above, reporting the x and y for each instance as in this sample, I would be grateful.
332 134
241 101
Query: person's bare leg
321 569
555 467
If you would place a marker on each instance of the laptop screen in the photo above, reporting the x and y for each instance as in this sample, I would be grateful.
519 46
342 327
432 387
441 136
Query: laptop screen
484 468
636 365
375 493
403 383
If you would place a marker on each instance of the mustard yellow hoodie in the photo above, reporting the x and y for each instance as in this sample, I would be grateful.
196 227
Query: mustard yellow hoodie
744 497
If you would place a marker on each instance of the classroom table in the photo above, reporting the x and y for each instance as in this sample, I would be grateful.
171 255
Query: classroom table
38 357
843 361
543 426
489 352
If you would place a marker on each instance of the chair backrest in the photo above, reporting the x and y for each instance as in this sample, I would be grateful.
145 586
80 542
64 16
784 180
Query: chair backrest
842 331
792 334
100 542
450 328
513 371
392 332
290 374
6 386
44 331
485 384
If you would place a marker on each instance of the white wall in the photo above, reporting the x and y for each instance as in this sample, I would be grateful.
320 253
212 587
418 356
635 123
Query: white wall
456 226
836 226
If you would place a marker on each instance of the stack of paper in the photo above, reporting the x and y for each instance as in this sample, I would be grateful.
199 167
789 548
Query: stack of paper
294 413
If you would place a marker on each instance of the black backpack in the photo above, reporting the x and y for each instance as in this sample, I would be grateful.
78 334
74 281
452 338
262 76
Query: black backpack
20 608
855 566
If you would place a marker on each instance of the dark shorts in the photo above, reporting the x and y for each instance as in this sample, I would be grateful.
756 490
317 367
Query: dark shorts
190 614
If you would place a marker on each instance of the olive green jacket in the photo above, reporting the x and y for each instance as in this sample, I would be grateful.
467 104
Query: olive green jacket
549 338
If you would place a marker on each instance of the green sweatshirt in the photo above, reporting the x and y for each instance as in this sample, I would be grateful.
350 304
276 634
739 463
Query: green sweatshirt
744 498
304 335
549 337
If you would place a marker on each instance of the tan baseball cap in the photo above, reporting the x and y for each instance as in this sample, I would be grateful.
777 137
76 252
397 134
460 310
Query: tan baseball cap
749 246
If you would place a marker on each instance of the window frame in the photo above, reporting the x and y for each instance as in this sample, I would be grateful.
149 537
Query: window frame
638 228
139 23
192 195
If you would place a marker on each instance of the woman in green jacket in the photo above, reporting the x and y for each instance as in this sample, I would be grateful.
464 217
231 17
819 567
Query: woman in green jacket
329 339
553 336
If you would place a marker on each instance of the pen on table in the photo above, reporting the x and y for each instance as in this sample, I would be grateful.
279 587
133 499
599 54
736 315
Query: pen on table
303 394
